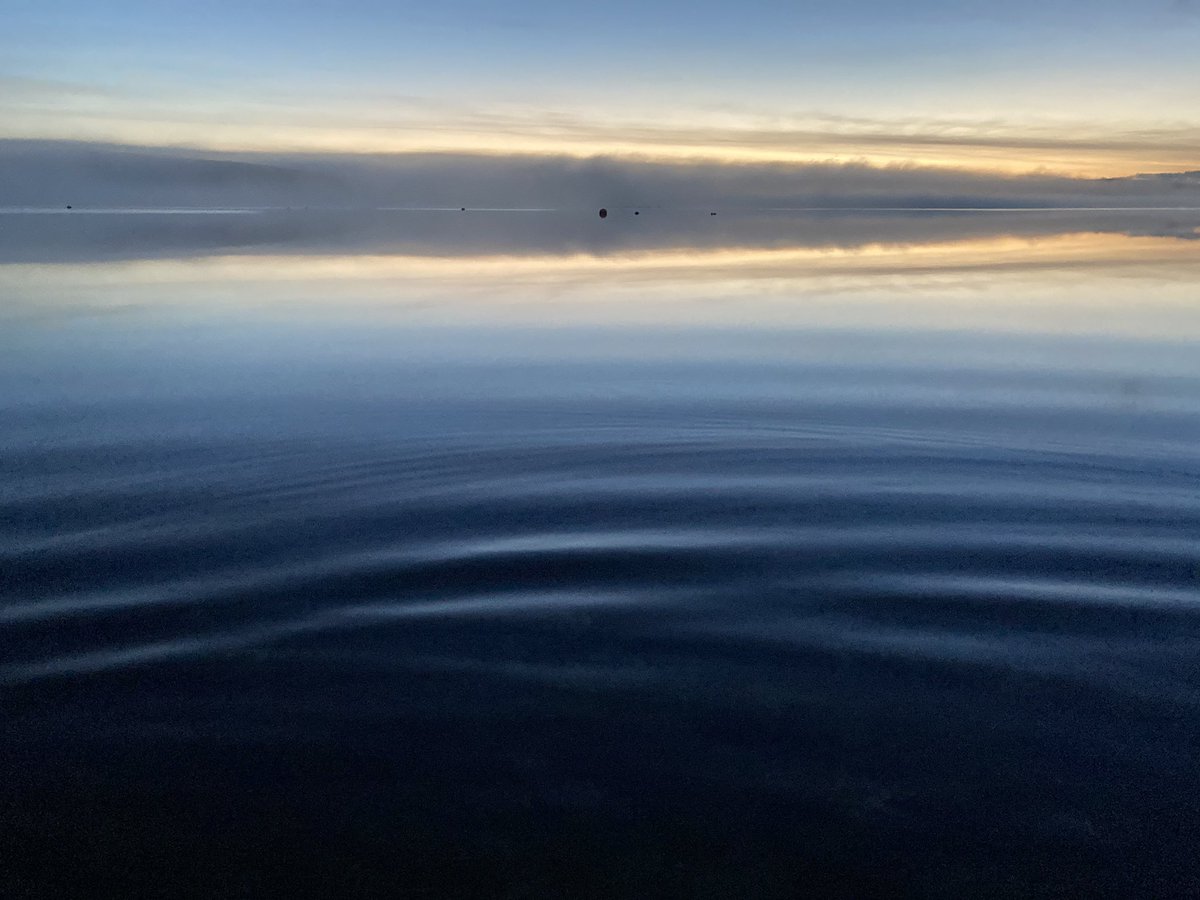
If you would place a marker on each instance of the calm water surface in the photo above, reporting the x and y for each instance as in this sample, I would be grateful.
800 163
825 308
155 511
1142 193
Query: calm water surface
528 555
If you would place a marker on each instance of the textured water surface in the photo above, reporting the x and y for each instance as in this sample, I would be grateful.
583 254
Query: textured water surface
565 575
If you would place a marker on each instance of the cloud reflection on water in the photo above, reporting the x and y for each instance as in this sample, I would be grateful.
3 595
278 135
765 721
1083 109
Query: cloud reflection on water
1034 271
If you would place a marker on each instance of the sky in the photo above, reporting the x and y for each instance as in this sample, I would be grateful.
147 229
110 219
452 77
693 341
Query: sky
1088 89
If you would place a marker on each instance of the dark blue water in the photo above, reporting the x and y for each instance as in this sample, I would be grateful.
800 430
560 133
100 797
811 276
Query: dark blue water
543 581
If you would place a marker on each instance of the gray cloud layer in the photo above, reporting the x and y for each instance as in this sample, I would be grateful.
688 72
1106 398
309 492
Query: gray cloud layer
56 173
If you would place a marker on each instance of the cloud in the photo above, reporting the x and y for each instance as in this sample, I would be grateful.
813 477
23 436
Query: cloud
377 118
47 89
56 173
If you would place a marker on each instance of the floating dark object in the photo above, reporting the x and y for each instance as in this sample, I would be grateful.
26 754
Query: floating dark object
603 213
712 214
636 213
68 206
462 209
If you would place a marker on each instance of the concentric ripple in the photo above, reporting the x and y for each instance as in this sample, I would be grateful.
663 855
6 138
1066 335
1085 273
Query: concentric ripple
868 627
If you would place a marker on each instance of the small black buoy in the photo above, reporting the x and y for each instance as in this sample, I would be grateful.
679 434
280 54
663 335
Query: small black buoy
68 206
712 214
462 209
636 213
603 213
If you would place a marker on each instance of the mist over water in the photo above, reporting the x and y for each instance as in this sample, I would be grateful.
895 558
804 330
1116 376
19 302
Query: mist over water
499 554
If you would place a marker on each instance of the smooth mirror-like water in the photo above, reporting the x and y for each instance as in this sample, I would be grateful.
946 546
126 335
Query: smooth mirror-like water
529 555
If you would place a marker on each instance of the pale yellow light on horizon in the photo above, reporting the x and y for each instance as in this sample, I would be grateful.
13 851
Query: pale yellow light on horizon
1014 151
